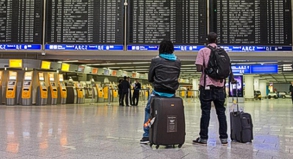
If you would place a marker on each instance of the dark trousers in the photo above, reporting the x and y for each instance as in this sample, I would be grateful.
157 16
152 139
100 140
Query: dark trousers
130 97
292 96
124 96
216 95
120 98
135 97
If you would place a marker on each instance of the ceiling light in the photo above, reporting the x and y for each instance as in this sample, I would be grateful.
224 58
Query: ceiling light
71 61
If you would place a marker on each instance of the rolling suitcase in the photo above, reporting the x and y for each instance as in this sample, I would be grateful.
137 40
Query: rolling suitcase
168 122
241 124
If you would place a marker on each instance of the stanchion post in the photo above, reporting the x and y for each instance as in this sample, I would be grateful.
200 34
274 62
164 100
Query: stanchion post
109 96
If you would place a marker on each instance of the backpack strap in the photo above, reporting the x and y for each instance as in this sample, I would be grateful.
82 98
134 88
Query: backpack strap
203 70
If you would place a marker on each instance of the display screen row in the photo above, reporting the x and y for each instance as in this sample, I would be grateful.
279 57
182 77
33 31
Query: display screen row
237 22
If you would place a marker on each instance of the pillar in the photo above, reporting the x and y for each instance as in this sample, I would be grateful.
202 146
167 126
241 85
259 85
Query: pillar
263 88
256 84
195 86
249 92
195 83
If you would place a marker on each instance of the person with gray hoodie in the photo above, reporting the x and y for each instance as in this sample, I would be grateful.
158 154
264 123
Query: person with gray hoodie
163 73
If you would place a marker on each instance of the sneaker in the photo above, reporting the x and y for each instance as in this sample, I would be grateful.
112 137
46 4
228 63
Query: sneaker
224 141
200 141
144 140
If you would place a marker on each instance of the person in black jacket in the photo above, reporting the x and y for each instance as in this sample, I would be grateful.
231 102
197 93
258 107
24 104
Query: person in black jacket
163 73
120 91
125 87
135 96
291 90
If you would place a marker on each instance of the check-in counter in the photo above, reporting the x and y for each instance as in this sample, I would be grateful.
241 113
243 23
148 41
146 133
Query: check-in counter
26 90
11 88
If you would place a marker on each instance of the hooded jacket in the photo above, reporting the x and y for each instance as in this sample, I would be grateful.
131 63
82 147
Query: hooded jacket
164 73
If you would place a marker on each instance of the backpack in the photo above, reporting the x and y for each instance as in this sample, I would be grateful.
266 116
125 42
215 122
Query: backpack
219 66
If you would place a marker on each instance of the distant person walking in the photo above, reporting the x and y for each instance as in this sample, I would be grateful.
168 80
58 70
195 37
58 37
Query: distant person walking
135 96
291 91
125 88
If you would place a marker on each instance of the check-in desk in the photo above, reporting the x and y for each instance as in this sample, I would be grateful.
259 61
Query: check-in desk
80 93
26 90
11 88
42 91
52 94
62 91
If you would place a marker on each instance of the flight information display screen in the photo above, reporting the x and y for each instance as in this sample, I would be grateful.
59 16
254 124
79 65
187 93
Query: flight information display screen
85 21
21 21
263 22
181 21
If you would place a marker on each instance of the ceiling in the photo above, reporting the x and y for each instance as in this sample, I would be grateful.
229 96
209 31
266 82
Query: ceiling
139 61
188 69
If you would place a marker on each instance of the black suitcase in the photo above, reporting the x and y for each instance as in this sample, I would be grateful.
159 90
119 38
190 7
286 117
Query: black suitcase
168 127
241 127
241 124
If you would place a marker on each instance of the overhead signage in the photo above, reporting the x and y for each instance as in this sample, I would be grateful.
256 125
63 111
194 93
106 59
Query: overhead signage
15 63
20 47
255 69
94 70
198 47
88 47
45 65
65 67
287 68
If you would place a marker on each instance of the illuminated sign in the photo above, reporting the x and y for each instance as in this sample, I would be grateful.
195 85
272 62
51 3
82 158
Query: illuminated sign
65 67
15 63
198 47
20 47
255 69
85 47
45 65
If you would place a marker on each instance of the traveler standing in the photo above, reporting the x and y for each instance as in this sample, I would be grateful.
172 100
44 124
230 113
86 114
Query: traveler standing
125 87
163 73
291 90
212 89
129 91
120 91
135 96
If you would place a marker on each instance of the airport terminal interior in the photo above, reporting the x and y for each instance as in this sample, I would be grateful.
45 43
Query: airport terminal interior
61 62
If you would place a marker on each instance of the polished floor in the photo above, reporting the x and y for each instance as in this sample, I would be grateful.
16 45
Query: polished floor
112 132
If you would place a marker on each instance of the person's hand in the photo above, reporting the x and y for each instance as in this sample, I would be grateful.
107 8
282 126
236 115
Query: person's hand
233 81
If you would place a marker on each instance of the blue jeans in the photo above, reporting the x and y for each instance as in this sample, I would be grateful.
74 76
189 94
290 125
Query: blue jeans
216 95
147 115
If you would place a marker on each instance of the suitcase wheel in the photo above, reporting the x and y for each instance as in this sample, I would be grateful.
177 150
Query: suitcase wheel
157 146
180 145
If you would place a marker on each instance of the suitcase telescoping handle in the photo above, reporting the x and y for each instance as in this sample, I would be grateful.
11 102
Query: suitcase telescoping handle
236 95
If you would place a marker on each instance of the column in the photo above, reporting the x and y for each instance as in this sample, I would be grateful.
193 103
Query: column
249 92
195 85
263 87
256 83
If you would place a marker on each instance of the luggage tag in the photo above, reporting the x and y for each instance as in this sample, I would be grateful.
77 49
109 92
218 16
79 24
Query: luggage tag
207 88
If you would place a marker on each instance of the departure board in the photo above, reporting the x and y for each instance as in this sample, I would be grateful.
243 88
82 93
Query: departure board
85 21
21 21
181 21
264 22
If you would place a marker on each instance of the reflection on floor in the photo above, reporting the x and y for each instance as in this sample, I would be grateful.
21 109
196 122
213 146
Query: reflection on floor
102 131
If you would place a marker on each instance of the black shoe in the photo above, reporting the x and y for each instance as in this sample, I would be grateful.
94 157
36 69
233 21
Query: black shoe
224 141
200 141
127 105
144 140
